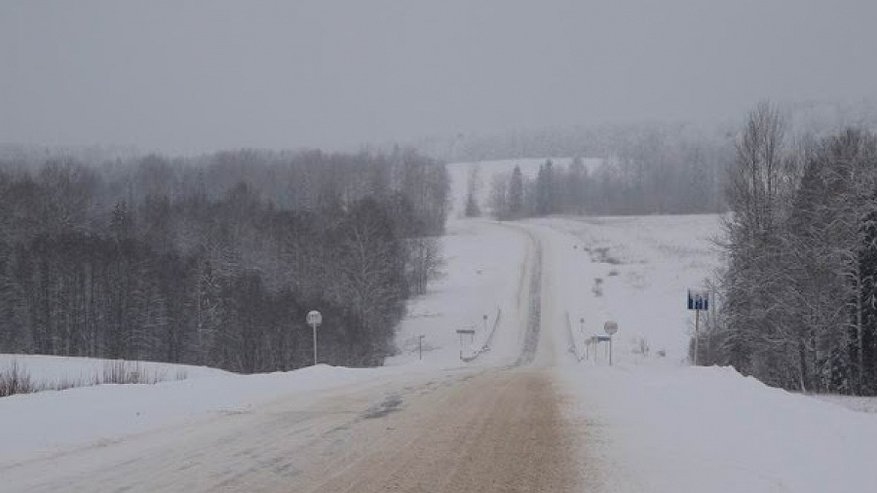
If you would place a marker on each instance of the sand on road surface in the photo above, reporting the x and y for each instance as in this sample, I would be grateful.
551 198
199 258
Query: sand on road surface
499 431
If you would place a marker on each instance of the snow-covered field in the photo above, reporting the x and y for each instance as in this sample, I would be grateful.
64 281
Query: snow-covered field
636 272
483 276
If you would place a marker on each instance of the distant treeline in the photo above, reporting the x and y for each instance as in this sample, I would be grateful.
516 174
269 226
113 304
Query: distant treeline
606 139
659 174
216 260
799 291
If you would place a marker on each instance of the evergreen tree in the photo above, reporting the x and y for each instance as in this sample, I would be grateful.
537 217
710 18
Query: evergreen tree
516 193
546 197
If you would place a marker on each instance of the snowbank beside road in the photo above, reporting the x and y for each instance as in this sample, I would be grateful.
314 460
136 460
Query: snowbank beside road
47 422
64 371
664 428
863 404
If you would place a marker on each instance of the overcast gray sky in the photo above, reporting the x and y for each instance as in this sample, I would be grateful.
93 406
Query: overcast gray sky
184 76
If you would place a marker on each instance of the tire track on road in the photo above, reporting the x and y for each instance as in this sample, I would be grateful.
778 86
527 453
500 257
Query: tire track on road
534 317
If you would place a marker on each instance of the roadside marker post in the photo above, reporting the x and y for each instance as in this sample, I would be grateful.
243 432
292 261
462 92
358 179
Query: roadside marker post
314 318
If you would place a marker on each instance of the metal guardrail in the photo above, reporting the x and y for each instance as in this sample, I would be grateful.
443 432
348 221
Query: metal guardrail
496 320
487 342
573 348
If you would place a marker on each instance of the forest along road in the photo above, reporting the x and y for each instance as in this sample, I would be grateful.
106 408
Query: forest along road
468 429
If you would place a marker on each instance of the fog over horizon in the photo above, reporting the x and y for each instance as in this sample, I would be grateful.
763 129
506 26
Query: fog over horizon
197 76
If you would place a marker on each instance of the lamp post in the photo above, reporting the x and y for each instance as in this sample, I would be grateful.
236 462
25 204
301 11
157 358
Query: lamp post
315 319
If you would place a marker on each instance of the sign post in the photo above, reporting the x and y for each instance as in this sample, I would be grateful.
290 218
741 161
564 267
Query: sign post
610 328
697 301
596 339
420 346
314 318
595 343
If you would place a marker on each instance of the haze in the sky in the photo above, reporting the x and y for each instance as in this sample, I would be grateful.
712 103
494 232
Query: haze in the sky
189 76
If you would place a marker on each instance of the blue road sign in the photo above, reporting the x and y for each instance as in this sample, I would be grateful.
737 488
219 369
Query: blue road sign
698 300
